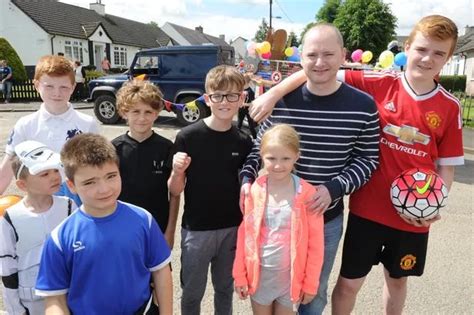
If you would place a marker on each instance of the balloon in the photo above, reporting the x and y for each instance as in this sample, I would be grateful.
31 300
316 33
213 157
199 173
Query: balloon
266 55
7 201
295 51
294 58
251 48
386 59
265 47
289 51
258 48
357 55
400 59
367 56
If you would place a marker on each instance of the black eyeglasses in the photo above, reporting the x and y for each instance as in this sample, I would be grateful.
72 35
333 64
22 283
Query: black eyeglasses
231 97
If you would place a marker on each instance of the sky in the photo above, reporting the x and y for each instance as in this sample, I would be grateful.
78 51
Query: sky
235 18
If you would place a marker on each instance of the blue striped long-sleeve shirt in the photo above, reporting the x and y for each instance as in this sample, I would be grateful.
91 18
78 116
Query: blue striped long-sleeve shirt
339 138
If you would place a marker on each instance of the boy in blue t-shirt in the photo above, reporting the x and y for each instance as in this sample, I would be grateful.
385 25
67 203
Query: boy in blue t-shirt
99 260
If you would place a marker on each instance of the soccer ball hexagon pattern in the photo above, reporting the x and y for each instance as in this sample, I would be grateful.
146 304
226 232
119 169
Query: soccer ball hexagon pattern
419 193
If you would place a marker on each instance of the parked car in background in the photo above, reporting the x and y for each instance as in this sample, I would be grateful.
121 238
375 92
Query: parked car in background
179 71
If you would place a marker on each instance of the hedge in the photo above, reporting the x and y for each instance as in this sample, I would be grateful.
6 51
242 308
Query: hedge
8 53
453 83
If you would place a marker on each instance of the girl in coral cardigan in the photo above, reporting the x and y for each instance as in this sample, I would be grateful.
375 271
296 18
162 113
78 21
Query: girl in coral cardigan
280 243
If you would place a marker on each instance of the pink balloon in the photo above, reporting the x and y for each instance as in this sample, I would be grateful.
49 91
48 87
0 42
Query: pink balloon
357 55
267 55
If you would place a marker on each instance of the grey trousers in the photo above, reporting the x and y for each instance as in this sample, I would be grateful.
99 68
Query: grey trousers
199 249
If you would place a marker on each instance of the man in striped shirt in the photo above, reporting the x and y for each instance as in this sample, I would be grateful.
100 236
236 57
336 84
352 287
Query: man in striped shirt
339 130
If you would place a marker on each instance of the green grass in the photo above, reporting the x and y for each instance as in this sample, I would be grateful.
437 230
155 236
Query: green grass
467 104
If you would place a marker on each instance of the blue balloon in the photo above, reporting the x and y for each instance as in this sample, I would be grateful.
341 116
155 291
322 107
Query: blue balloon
294 58
400 59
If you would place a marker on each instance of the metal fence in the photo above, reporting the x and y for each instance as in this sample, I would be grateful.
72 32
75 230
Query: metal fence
24 91
467 109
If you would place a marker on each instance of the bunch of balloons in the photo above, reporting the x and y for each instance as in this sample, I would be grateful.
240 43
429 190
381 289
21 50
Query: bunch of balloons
262 49
292 54
359 55
386 58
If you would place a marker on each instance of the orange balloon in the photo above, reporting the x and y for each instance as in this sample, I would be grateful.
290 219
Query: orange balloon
7 201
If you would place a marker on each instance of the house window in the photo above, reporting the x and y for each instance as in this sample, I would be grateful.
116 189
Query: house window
120 56
73 50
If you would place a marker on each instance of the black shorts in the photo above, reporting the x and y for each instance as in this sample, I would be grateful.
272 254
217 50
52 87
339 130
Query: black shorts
367 243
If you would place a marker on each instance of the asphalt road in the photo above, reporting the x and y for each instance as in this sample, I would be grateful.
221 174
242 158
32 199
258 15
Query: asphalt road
445 288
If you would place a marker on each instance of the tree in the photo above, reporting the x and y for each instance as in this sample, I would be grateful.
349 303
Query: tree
153 23
8 53
292 40
328 12
366 24
261 34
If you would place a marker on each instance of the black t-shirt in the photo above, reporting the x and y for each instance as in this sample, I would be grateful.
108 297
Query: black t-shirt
144 170
212 184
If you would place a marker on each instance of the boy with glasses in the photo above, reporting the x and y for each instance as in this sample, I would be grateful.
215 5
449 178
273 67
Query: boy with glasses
206 165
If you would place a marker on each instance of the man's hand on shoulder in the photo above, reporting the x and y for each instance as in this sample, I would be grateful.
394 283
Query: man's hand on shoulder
320 200
261 107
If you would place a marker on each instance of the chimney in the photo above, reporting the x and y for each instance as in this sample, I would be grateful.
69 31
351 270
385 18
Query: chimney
98 7
222 36
199 29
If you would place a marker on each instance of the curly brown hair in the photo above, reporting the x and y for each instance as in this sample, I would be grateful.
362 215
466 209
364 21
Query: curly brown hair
136 91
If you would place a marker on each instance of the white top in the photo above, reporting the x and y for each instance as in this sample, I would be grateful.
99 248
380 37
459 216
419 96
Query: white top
52 130
23 256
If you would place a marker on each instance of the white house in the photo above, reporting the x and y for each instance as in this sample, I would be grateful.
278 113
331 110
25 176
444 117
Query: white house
42 27
240 48
462 61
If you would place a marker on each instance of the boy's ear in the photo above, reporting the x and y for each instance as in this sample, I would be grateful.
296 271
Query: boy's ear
36 84
206 99
21 184
70 185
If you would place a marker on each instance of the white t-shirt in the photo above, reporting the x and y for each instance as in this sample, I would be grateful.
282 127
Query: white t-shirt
52 130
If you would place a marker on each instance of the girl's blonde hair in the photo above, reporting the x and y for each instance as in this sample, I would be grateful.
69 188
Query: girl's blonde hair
281 134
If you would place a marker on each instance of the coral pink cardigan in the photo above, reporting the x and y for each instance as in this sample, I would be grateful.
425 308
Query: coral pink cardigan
306 248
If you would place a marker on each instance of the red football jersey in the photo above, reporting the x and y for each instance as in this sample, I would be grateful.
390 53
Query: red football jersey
416 131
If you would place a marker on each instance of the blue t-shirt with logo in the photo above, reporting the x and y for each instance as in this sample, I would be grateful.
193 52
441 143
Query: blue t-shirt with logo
103 264
4 72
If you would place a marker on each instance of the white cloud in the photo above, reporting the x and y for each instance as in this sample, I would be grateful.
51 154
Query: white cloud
236 23
409 12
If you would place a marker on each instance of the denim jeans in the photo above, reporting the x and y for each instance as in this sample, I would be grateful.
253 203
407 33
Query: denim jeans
7 90
332 236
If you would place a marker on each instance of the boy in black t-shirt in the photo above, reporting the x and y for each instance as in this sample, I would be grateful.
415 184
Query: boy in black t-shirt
144 154
206 165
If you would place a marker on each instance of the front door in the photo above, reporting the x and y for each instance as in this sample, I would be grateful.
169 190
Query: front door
98 56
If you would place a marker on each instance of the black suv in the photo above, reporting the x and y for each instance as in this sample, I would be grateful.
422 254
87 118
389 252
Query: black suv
179 71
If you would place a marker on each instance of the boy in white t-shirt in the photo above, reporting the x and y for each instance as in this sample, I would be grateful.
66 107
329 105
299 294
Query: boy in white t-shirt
56 121
25 226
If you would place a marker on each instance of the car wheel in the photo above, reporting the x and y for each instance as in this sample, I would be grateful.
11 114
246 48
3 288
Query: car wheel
105 109
189 115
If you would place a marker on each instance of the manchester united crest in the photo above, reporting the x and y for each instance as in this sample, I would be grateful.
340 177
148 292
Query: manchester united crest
433 119
408 262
